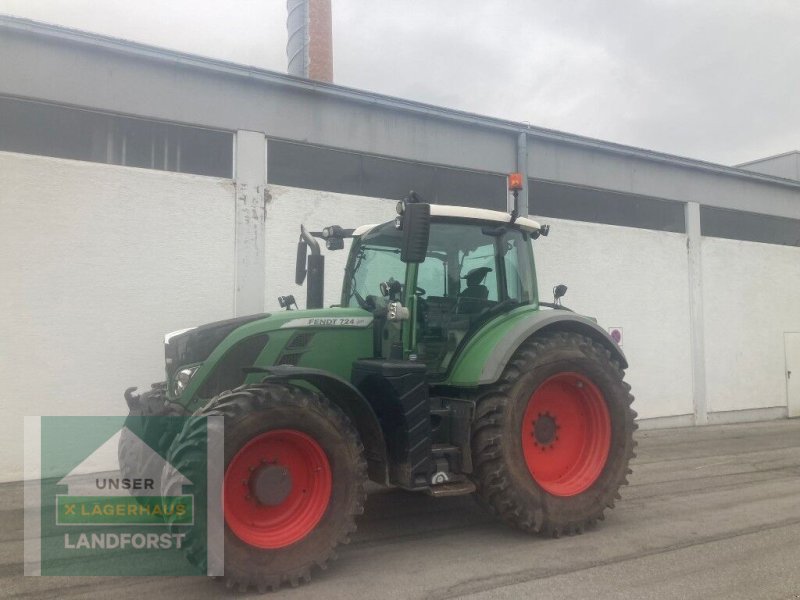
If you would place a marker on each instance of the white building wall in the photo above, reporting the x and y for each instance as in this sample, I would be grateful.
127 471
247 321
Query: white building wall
751 297
98 262
635 279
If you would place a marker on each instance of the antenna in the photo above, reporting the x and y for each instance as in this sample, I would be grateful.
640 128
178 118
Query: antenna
514 186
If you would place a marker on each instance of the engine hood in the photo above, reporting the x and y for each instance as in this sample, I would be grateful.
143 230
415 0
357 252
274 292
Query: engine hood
196 345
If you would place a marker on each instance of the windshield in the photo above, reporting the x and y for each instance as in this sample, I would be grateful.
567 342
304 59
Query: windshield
376 259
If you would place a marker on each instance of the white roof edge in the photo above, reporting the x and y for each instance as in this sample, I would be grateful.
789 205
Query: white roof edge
766 158
464 212
362 229
482 214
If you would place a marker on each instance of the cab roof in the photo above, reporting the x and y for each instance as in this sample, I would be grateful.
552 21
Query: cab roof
463 212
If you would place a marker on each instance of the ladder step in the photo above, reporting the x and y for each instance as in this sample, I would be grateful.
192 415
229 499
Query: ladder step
457 488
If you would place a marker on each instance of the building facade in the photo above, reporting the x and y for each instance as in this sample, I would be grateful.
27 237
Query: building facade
143 191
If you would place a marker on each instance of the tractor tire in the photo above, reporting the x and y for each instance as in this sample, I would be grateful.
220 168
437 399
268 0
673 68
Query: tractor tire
294 482
552 438
134 461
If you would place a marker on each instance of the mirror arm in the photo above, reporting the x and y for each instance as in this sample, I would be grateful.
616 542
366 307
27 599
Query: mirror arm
309 239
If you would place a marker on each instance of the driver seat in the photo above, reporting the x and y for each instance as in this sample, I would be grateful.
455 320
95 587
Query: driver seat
472 299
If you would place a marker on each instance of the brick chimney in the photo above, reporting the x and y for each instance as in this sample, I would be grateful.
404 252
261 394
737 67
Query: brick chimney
310 45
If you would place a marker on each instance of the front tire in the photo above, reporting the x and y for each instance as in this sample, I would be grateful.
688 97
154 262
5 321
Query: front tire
293 484
148 434
552 439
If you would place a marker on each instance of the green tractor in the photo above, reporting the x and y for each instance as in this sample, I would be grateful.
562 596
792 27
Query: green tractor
440 371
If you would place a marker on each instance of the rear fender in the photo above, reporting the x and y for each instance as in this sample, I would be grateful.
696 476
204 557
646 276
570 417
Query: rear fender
483 359
352 403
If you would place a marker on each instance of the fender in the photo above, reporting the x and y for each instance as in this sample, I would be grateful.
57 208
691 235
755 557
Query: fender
489 352
352 402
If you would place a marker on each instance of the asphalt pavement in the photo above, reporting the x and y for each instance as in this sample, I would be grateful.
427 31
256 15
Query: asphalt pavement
711 512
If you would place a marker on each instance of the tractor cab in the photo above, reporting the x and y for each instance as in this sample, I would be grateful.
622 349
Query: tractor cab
430 278
473 265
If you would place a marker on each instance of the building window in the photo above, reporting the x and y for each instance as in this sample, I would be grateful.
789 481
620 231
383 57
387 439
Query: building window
326 169
747 226
563 201
47 130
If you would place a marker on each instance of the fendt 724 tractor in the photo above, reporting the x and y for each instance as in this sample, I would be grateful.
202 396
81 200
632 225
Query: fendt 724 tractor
440 371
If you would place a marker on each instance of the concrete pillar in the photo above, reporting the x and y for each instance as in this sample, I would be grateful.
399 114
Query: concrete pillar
250 178
693 245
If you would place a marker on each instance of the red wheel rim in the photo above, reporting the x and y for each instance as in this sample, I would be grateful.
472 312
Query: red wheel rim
566 434
277 488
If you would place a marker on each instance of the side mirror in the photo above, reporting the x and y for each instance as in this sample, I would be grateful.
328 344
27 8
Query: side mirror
416 225
300 265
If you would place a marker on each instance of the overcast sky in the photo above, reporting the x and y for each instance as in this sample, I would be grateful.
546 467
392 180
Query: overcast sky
717 80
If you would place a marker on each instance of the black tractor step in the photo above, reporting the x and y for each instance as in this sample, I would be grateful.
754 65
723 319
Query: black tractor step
457 488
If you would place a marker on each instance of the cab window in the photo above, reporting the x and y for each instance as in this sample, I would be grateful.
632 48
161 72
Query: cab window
472 273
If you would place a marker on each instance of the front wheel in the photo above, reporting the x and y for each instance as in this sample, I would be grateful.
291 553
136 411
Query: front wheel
553 437
151 425
293 483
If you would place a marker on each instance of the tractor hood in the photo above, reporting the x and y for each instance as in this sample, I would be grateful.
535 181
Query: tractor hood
195 344
206 360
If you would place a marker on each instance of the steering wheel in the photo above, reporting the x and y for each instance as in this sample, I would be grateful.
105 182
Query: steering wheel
392 286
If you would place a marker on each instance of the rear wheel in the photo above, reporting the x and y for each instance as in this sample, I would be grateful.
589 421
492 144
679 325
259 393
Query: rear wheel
566 434
293 483
553 437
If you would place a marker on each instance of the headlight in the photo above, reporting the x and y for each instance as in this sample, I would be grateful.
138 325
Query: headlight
182 379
